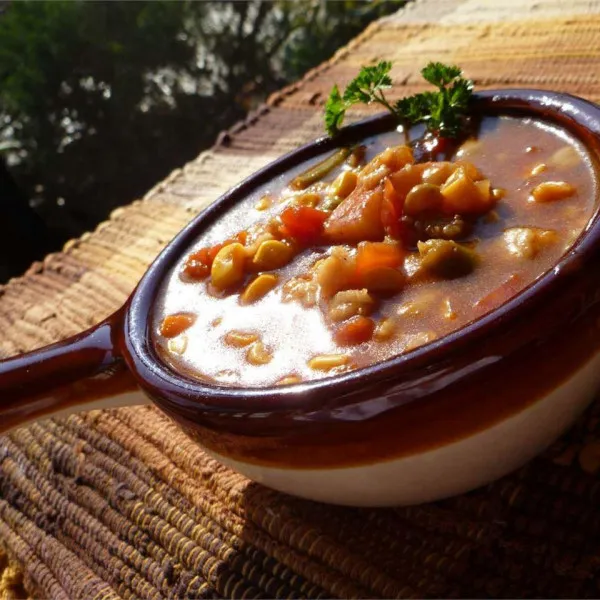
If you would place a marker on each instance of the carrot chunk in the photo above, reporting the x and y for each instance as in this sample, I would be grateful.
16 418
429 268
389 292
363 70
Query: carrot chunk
374 255
173 325
356 330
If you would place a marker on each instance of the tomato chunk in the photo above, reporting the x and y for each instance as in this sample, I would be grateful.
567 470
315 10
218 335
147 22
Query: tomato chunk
356 330
303 223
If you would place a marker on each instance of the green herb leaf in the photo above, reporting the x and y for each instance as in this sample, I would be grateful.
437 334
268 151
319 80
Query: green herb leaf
369 81
335 110
443 111
439 74
365 88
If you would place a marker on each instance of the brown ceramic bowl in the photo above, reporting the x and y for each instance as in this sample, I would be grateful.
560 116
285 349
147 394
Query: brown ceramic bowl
443 419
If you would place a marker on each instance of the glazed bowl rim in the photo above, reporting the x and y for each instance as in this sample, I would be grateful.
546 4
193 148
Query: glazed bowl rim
190 397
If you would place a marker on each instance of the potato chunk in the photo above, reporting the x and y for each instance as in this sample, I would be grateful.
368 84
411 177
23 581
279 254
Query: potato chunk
463 195
356 219
551 191
528 242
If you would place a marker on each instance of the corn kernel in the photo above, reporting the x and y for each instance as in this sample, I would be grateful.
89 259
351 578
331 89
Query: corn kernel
310 199
327 362
258 288
258 355
344 184
228 266
550 191
178 345
264 203
272 254
240 339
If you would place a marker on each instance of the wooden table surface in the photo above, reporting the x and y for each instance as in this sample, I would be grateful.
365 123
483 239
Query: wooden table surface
121 504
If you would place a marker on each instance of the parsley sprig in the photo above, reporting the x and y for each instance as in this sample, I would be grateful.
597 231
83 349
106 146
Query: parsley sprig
442 111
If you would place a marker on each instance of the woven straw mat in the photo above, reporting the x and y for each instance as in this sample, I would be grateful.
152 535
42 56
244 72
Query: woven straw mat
121 504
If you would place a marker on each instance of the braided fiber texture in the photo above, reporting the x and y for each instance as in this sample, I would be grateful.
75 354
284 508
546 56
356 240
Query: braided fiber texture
121 504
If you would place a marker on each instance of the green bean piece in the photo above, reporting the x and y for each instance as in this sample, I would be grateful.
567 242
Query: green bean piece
318 171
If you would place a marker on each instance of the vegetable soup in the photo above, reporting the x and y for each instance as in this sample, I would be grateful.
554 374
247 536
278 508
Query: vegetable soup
367 254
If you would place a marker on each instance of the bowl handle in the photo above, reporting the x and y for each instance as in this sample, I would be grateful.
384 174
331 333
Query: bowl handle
82 372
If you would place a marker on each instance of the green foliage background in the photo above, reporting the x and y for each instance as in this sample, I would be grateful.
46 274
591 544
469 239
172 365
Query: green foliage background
100 100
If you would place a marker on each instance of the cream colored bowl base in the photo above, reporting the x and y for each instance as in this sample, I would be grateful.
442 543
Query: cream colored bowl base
444 471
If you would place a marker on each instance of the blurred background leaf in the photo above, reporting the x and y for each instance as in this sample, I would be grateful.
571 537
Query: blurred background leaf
101 100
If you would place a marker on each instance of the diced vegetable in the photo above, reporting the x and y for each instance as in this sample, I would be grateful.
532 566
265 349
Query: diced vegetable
258 354
356 330
463 196
424 197
272 254
469 168
240 339
538 169
178 344
258 288
328 362
391 208
228 266
372 255
344 184
173 325
196 265
551 191
264 203
321 169
438 173
383 279
311 199
447 259
407 177
289 380
303 223
356 219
